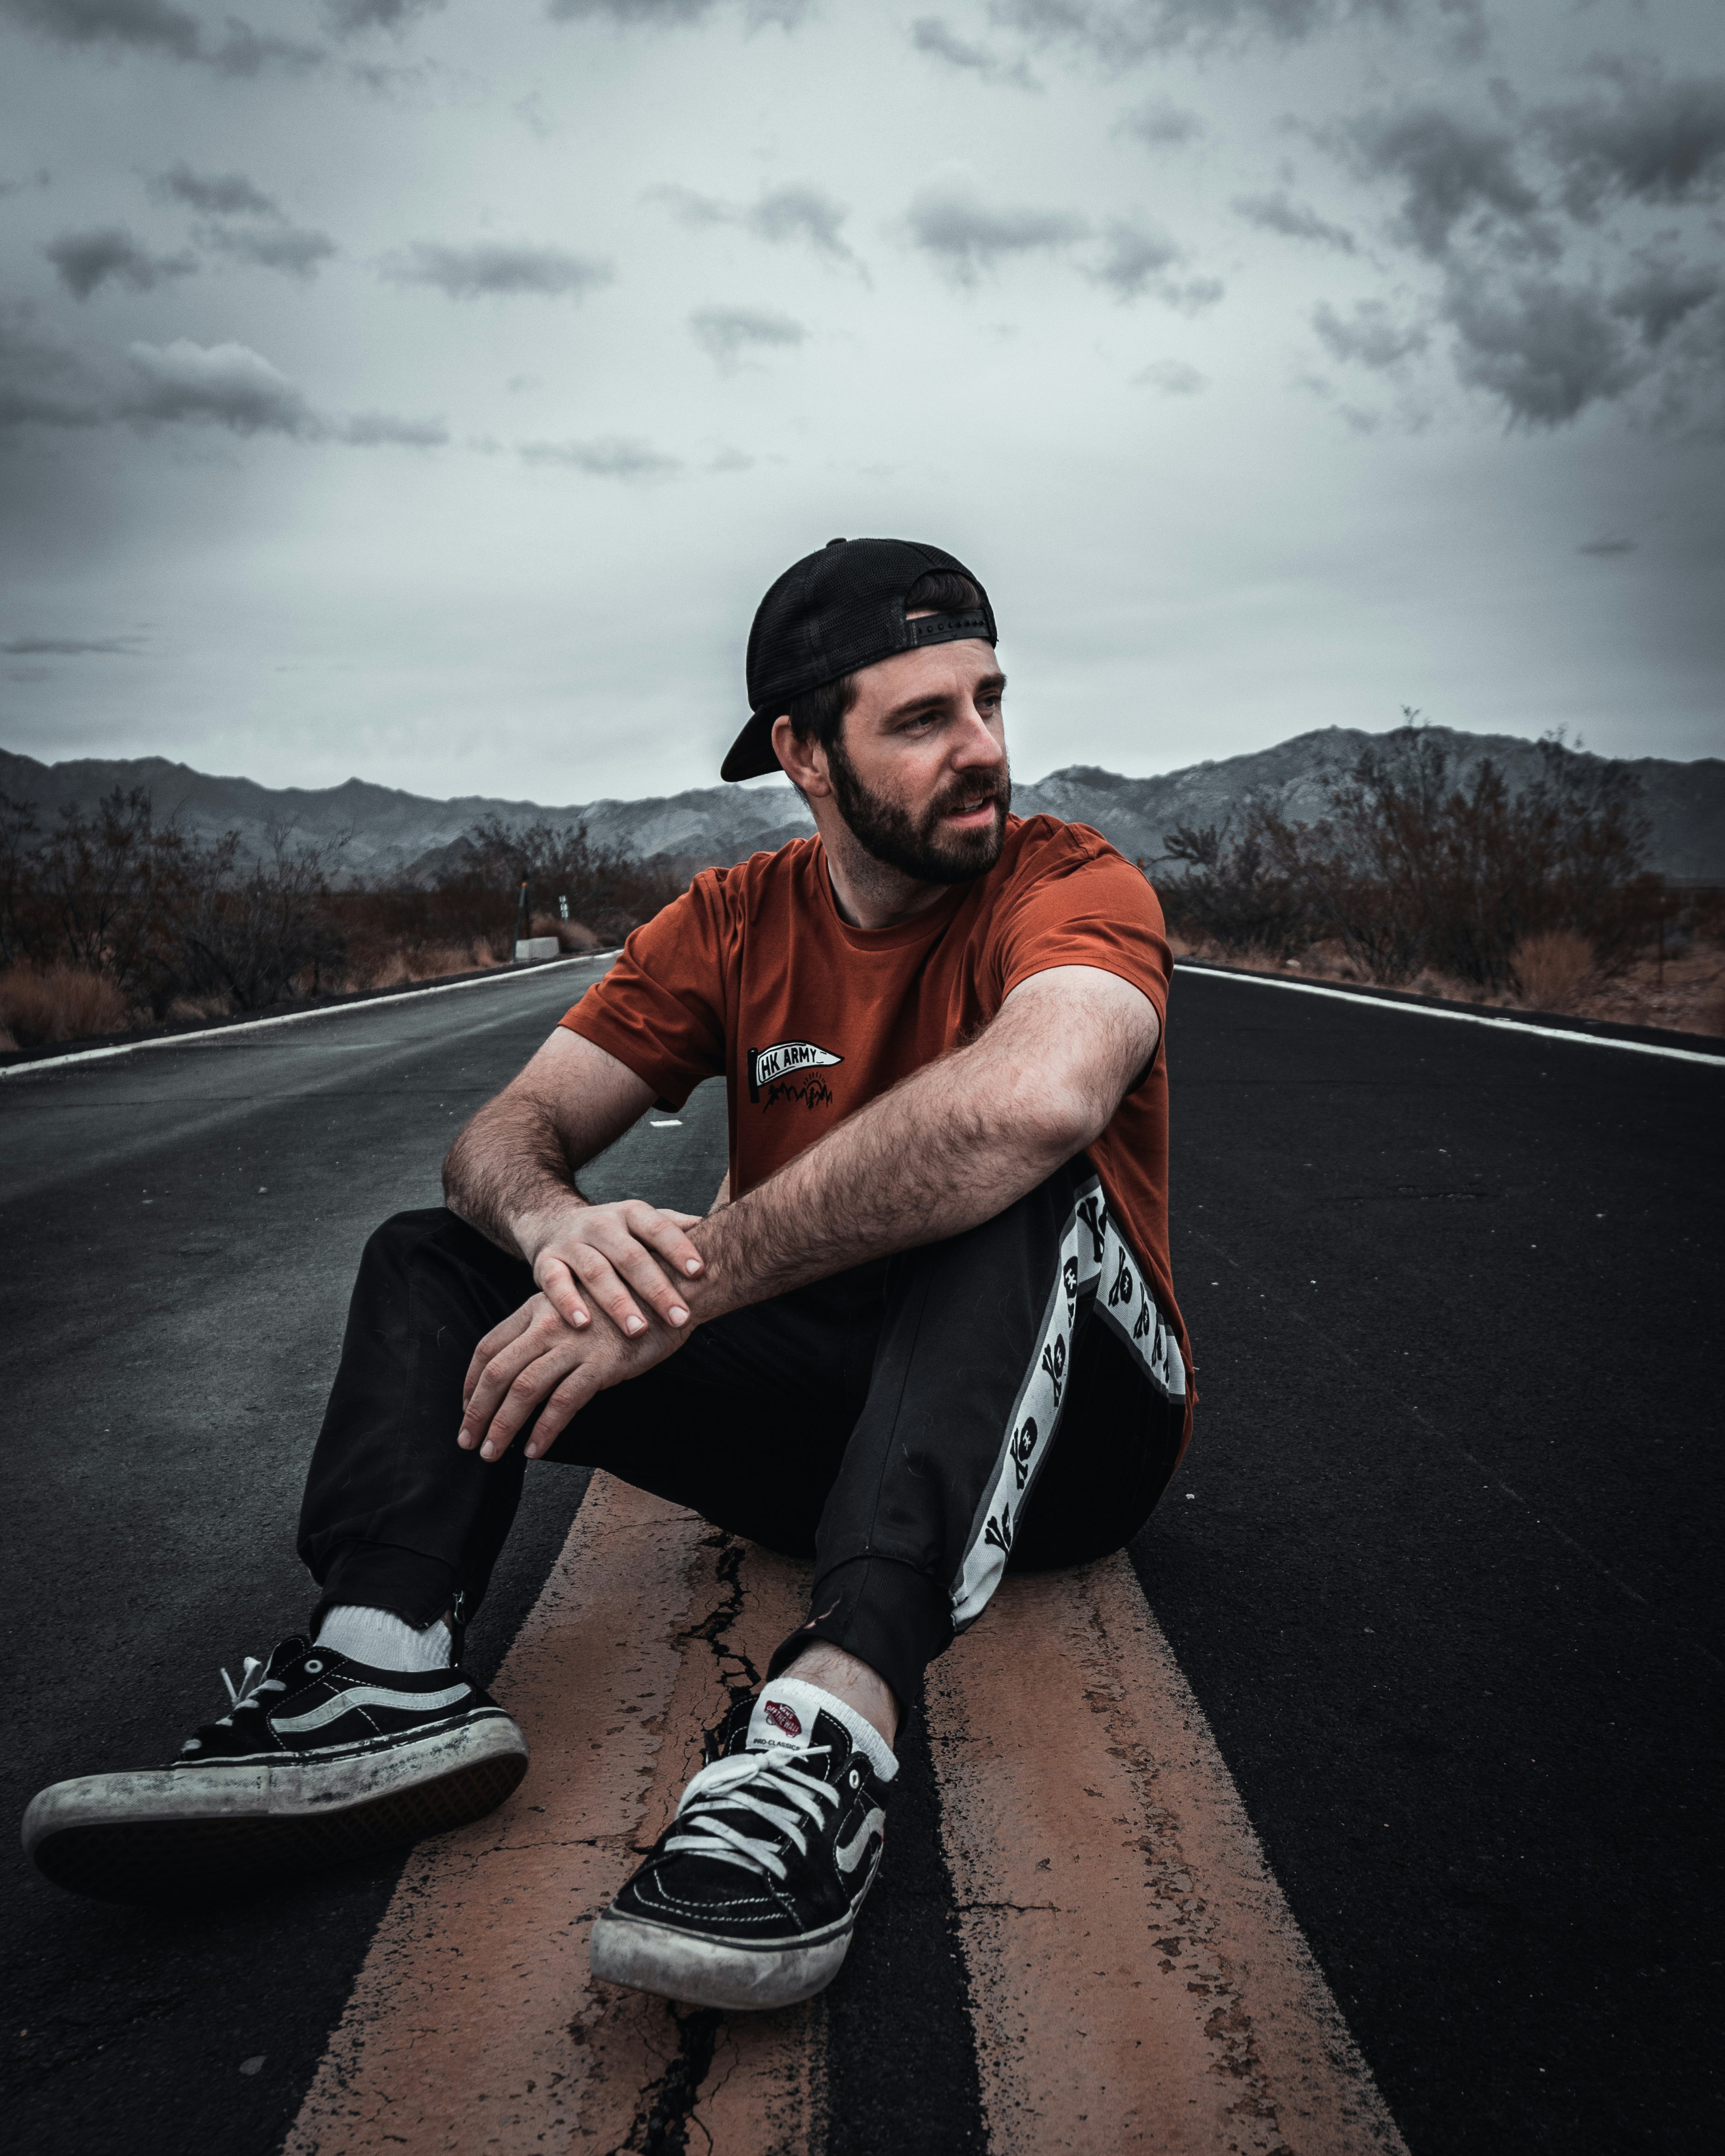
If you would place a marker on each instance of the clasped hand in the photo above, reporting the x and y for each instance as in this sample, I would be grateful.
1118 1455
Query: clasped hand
549 1357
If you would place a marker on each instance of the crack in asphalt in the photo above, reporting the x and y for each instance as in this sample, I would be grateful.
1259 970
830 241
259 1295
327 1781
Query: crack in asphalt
661 2125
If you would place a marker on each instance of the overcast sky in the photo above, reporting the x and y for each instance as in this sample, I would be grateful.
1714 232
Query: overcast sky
429 392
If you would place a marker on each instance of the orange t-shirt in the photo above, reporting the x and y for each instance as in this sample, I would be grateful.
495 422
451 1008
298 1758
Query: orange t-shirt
752 975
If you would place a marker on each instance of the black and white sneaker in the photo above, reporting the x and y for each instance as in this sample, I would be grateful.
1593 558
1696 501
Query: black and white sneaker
318 1759
749 1898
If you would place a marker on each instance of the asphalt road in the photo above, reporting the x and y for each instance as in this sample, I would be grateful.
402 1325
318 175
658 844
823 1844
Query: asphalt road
1439 1566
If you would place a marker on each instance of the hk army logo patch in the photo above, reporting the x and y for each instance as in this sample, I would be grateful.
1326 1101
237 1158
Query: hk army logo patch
789 1070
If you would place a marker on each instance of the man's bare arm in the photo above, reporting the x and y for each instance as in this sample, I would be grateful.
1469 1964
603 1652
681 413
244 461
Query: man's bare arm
952 1145
510 1173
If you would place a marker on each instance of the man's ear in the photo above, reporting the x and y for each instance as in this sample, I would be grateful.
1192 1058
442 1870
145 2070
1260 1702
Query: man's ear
803 763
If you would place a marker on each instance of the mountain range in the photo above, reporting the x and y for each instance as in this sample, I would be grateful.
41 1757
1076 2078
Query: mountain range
382 831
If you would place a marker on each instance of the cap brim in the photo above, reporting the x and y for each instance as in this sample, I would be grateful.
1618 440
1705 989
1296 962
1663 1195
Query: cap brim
751 754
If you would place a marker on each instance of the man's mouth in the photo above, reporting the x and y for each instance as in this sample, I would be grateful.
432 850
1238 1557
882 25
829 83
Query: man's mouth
972 812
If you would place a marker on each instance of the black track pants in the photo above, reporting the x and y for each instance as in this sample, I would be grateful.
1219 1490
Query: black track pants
1009 1397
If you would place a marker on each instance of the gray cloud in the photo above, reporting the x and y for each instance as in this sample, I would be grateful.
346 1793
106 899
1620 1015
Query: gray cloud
87 259
1660 142
231 386
1136 262
1134 258
1450 169
1549 347
1123 31
725 333
490 268
933 35
653 12
223 385
673 14
1546 349
349 19
1173 377
1191 295
624 457
689 207
1605 546
1662 295
69 647
798 210
219 194
1161 122
1293 221
967 235
243 51
182 383
153 26
1372 337
41 384
290 249
141 25
367 430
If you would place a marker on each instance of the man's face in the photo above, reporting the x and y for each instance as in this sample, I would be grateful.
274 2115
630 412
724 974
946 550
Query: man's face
919 769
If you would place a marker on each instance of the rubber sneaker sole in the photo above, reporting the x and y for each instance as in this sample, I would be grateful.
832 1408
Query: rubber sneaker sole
706 1973
180 1834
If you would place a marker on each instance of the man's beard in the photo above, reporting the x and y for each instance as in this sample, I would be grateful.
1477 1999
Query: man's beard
912 845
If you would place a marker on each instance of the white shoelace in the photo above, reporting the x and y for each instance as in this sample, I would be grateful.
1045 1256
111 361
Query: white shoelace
250 1689
748 1782
248 1693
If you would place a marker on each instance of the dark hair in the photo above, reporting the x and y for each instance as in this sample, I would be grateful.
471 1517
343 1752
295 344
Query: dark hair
820 715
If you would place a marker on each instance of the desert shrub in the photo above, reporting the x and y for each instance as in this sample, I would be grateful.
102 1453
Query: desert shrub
251 930
1417 870
474 898
112 912
60 1002
1240 892
1551 969
164 918
105 893
570 935
608 890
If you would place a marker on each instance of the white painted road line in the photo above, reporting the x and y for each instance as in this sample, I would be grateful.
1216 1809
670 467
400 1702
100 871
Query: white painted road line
293 1018
1498 1024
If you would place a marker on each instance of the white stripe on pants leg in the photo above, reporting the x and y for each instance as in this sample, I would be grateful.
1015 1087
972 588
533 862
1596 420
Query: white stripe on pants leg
1094 1256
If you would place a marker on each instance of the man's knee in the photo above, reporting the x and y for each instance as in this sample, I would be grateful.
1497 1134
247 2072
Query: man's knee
392 1241
434 1237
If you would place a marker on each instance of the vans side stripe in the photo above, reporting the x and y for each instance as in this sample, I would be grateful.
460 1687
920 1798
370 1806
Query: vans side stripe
340 1703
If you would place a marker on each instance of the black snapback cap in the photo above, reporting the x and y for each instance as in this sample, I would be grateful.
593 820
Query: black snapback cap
832 612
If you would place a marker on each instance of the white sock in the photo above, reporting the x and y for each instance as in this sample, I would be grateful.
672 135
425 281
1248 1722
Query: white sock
382 1641
784 1714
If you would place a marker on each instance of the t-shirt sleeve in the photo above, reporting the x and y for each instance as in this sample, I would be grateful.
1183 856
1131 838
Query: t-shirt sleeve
1091 908
660 1008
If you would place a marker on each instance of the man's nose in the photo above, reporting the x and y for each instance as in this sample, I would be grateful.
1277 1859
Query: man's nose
975 743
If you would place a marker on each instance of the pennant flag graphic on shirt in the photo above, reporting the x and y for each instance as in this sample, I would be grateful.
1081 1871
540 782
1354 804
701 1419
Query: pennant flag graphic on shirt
767 1065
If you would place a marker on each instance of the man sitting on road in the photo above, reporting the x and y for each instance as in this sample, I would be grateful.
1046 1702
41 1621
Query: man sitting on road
928 1332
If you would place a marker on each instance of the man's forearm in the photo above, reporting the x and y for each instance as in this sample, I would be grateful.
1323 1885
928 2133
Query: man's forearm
926 1161
952 1145
507 1172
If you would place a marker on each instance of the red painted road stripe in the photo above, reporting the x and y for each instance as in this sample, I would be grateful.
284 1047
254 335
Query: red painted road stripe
474 2024
1137 1979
